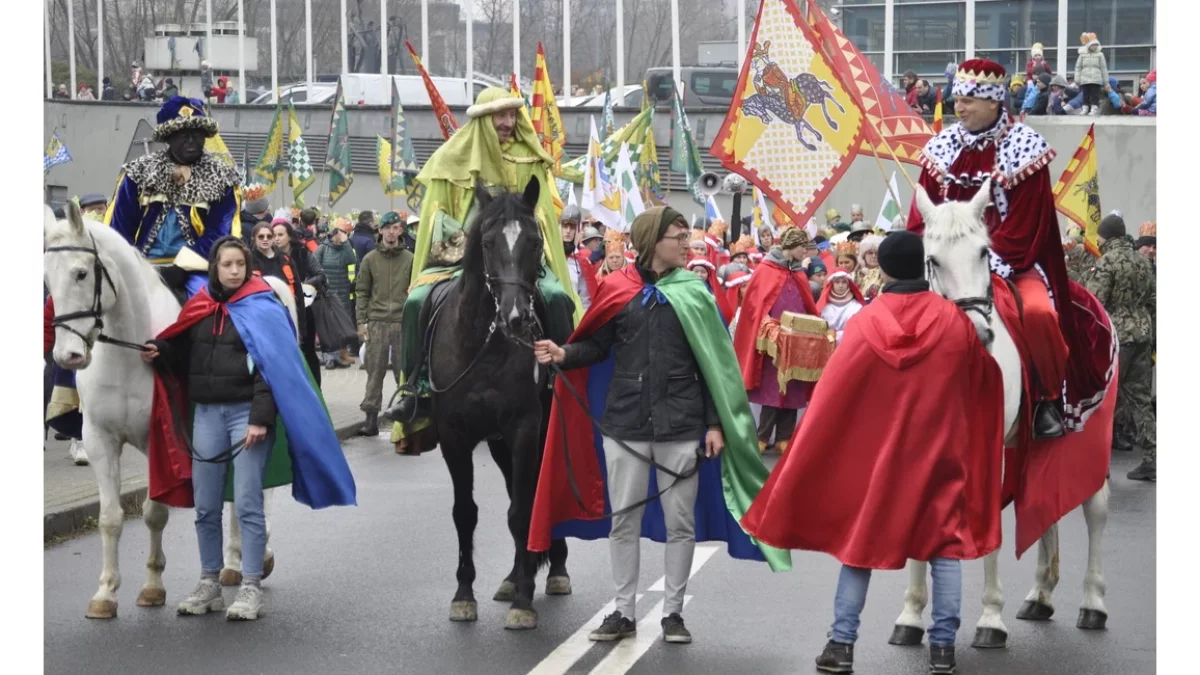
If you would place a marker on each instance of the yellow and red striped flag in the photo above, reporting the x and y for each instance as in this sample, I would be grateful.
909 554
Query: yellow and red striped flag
1077 194
444 117
546 120
937 113
512 84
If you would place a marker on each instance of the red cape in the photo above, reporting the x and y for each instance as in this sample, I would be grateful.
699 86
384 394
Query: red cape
48 325
554 501
727 308
587 270
761 293
827 290
170 473
922 479
827 258
1048 479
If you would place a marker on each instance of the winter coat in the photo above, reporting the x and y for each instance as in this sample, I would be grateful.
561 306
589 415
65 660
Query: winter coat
363 241
1149 102
381 285
1041 103
109 93
1123 281
310 269
218 367
1031 94
657 392
1091 67
275 267
339 263
1029 76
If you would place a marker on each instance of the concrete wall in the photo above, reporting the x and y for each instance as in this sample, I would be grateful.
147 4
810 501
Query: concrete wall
99 137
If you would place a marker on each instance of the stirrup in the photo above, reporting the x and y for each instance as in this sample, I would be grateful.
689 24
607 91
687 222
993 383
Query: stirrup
1047 421
405 408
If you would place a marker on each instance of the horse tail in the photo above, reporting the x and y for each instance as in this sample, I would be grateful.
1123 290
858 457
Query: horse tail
284 294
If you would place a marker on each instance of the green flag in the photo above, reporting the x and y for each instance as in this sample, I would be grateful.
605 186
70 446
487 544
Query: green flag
685 157
338 159
300 170
633 133
269 168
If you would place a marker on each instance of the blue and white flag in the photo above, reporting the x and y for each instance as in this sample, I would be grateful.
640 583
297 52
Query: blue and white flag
711 212
55 154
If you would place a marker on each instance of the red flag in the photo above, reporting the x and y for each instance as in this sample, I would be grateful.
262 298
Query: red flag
444 117
904 130
512 84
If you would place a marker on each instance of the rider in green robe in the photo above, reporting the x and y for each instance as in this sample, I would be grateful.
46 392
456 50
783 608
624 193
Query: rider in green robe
498 146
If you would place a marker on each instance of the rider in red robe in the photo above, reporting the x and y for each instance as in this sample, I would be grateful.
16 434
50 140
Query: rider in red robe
1026 247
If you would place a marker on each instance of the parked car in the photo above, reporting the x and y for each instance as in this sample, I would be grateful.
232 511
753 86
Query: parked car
704 86
376 89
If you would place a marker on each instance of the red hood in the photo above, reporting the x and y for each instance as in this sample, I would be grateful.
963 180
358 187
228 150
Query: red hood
903 329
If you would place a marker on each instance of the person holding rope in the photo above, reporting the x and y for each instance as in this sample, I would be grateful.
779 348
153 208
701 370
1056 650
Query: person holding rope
654 356
233 355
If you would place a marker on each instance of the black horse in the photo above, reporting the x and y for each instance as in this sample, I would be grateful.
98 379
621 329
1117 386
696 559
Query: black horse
487 385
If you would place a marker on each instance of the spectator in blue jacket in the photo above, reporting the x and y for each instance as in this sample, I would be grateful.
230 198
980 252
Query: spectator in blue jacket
948 91
1149 104
363 239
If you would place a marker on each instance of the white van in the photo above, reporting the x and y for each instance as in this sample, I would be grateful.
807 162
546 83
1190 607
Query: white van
376 89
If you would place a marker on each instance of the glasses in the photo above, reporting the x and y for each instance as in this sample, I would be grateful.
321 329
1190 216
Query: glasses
265 237
682 237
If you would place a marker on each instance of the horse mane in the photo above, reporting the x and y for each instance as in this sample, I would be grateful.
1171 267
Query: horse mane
110 243
954 222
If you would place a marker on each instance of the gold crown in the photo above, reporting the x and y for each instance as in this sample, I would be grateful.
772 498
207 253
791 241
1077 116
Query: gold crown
981 77
846 248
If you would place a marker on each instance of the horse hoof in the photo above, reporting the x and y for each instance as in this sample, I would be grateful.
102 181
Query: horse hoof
558 585
506 592
231 577
990 638
268 566
1092 619
102 609
1032 610
521 619
152 597
906 636
464 610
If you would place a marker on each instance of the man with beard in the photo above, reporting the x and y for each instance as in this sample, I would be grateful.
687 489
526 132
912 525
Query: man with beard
173 204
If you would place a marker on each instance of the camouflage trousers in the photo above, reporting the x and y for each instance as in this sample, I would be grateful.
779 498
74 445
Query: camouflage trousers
382 337
1134 424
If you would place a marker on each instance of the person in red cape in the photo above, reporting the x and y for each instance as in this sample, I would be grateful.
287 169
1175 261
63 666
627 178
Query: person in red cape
233 358
735 289
922 480
778 285
652 348
707 273
840 301
1025 243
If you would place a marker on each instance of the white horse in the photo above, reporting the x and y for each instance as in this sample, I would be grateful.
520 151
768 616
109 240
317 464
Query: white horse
956 253
104 289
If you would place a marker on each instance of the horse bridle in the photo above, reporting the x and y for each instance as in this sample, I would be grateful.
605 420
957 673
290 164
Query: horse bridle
100 275
983 306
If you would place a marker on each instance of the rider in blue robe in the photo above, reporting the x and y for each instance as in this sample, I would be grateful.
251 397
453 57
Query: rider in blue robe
173 204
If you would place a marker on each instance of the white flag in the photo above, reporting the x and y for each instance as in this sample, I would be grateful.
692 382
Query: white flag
600 197
627 184
889 210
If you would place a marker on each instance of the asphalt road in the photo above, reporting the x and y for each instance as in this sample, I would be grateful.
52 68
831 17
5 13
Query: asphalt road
368 589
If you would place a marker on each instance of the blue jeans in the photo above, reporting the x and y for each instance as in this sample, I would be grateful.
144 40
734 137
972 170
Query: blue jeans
947 602
216 426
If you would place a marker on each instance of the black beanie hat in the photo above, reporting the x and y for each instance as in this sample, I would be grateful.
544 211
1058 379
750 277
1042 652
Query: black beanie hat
1112 227
1145 241
902 256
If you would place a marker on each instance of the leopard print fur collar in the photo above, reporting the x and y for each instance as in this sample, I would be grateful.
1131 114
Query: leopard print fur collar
211 178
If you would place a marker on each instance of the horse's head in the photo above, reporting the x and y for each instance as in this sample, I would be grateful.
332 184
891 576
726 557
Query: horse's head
956 255
79 283
506 246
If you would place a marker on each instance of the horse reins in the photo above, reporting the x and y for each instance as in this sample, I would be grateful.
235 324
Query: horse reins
981 305
100 275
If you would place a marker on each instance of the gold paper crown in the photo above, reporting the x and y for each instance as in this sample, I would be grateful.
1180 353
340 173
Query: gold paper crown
697 235
744 244
614 242
253 193
981 77
847 247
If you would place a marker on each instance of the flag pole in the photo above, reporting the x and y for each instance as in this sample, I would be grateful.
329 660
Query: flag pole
285 123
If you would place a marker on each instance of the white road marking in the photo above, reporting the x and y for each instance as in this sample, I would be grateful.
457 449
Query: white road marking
575 647
703 553
626 654
623 656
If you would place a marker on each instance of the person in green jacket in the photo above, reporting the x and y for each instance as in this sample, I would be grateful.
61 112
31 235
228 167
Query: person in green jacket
499 148
381 287
336 256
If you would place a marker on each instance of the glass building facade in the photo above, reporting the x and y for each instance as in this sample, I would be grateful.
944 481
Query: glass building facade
926 35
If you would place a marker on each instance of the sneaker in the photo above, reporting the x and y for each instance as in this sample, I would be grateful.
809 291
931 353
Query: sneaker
674 631
941 660
206 598
76 453
247 605
1147 471
837 658
614 627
